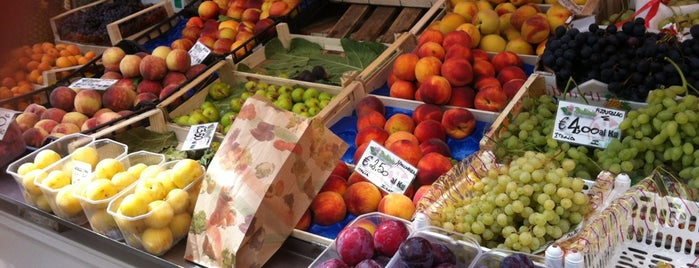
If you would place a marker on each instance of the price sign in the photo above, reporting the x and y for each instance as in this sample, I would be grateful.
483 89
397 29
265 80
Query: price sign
6 117
199 136
93 83
199 52
81 172
385 169
586 124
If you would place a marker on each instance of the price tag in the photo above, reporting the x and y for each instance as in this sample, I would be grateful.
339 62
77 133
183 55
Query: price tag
93 83
199 136
6 117
199 52
81 172
385 169
586 124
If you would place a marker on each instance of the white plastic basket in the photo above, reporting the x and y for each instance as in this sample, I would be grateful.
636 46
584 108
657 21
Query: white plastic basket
656 229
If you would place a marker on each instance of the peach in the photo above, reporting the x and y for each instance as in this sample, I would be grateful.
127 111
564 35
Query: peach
305 221
111 75
466 9
458 123
235 13
457 37
75 118
426 67
227 33
506 26
149 86
101 111
111 57
35 136
178 60
429 129
278 9
87 102
370 103
431 49
36 109
522 14
189 33
557 15
46 124
358 153
355 177
328 208
336 184
504 8
397 204
535 29
65 129
400 135
399 122
27 120
208 10
168 91
107 117
435 145
457 71
462 96
162 51
195 21
458 50
490 99
152 67
89 124
182 43
362 197
430 35
450 21
251 15
372 118
520 46
145 98
512 87
174 78
62 97
375 133
430 167
194 71
472 32
487 82
129 66
483 68
404 66
493 43
419 193
341 169
505 58
367 224
479 54
427 111
509 73
435 89
402 89
407 150
391 79
119 98
222 46
54 114
264 28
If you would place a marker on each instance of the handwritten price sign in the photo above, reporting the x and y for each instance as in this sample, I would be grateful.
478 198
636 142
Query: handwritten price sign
6 117
81 172
93 83
199 136
198 52
586 124
385 169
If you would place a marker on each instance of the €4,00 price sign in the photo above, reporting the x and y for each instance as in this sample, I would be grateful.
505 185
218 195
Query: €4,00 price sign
587 125
385 169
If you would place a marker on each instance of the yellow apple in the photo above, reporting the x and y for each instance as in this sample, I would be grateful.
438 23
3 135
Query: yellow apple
519 46
156 240
133 205
487 21
186 171
123 179
102 222
178 200
67 202
150 189
160 214
493 43
25 168
137 169
106 168
87 154
130 228
56 179
165 179
43 203
180 224
150 171
99 189
45 158
28 181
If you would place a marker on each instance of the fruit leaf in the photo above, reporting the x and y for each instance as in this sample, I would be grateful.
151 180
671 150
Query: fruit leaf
142 139
358 55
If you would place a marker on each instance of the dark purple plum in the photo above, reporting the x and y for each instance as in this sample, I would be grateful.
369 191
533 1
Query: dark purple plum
368 263
416 252
517 260
442 254
333 263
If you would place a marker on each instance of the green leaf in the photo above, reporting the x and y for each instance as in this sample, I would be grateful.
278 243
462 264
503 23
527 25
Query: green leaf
141 138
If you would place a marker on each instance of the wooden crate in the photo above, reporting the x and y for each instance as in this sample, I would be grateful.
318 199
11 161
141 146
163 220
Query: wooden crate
345 97
113 29
590 8
372 20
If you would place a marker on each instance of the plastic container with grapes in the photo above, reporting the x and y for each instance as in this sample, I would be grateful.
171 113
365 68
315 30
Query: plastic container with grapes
96 210
492 258
465 249
60 196
368 221
25 180
150 227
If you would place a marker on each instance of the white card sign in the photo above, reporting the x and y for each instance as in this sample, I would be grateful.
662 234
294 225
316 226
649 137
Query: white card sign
93 83
199 52
81 172
385 169
586 124
199 136
6 118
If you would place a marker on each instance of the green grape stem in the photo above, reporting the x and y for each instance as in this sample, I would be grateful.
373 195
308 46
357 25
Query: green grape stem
565 91
685 85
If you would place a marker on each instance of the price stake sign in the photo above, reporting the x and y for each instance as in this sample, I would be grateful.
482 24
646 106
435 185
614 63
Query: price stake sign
93 83
385 169
199 52
199 136
81 172
6 118
586 124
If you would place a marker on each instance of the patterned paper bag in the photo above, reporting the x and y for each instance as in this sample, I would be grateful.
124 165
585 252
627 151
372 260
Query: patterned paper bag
269 167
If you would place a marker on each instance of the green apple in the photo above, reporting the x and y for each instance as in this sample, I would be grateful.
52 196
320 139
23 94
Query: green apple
305 114
312 102
250 86
227 118
261 92
272 95
206 104
310 93
262 85
313 111
273 88
297 94
227 128
182 120
196 117
236 104
299 108
211 113
245 96
219 90
285 103
324 103
325 96
285 89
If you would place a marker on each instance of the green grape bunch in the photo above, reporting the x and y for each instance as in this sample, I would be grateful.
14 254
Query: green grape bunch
521 206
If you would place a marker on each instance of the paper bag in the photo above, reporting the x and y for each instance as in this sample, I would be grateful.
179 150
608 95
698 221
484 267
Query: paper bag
269 167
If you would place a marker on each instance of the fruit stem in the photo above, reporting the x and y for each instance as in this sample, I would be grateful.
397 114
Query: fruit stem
565 91
684 80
